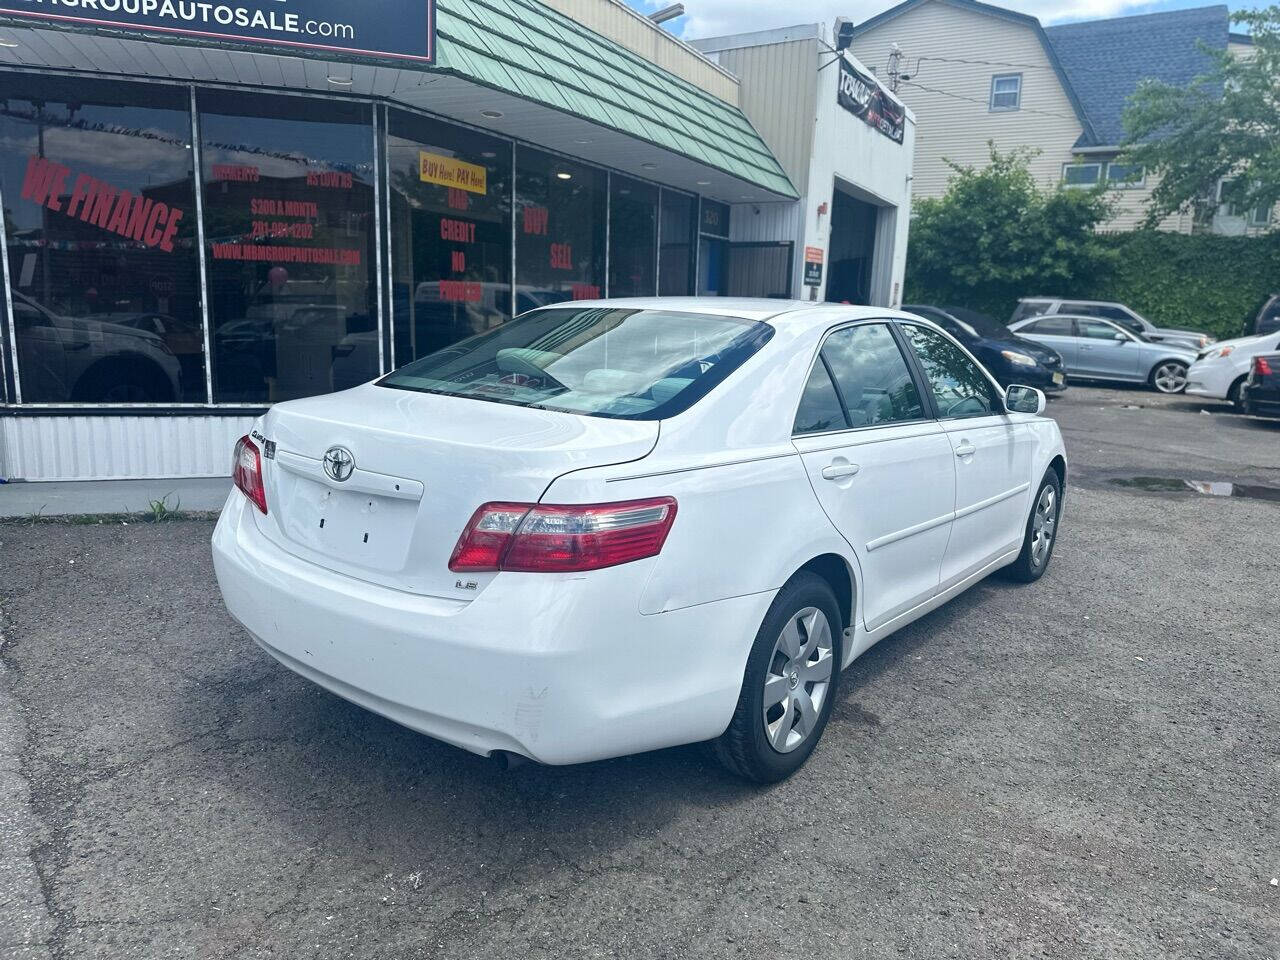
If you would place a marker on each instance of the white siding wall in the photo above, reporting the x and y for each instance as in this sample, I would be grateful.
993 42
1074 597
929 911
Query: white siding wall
951 124
880 169
118 448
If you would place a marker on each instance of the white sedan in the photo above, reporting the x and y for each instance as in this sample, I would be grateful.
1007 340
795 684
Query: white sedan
616 526
1222 369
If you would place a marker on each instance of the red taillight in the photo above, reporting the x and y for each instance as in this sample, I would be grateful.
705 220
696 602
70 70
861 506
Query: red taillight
542 538
246 473
1261 367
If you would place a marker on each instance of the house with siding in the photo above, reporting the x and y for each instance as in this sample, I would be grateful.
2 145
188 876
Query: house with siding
973 72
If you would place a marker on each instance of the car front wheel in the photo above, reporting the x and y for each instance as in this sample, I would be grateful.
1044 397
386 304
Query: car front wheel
1042 532
1170 376
789 685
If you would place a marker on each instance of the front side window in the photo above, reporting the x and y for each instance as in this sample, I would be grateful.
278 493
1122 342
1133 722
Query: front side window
872 377
959 387
99 206
289 227
623 364
1081 174
1006 91
1097 330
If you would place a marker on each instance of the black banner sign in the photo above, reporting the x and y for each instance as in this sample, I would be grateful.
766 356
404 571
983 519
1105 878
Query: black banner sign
866 99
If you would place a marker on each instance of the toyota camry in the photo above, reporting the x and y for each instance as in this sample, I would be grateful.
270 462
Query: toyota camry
615 526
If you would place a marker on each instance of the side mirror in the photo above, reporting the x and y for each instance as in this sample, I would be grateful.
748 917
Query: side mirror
1120 338
1020 399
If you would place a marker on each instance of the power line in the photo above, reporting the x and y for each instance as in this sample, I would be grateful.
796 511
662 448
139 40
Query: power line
957 96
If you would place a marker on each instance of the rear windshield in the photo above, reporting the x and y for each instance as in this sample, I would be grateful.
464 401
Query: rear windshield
626 364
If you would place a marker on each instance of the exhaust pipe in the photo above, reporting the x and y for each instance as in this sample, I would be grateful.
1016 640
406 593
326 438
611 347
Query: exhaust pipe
506 760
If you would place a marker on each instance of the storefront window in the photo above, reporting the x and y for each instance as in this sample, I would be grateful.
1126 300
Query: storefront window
450 233
290 230
679 234
633 238
100 218
560 229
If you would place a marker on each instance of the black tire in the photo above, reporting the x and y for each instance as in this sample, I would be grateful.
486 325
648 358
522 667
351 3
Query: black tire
1029 567
1235 396
1155 372
744 747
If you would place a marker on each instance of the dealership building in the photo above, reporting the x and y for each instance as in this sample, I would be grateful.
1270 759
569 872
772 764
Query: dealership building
213 207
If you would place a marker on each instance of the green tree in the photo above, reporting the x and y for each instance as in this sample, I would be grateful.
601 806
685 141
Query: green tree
1224 125
996 236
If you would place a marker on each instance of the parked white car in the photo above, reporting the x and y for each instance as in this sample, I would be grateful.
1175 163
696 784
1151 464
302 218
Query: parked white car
611 527
1222 370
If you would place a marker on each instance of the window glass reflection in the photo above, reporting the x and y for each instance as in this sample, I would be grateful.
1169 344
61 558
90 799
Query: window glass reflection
560 228
290 230
100 217
679 235
633 238
450 234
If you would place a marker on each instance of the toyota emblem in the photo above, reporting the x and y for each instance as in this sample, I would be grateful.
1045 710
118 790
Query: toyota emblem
339 464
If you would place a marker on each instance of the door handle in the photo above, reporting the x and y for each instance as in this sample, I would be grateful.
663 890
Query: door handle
965 449
840 471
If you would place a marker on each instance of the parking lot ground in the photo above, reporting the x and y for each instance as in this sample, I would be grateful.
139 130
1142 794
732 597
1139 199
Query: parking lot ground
1087 767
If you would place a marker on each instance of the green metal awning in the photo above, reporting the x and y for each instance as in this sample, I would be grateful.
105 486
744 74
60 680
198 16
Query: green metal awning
529 50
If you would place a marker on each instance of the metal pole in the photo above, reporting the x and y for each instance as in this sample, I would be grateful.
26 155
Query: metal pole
197 170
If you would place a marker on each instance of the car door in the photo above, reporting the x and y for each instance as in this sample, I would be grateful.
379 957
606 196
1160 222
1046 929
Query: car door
1057 333
1106 351
992 450
881 466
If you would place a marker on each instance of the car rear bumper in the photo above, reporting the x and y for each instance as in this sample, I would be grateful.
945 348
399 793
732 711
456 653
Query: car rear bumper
1261 403
561 669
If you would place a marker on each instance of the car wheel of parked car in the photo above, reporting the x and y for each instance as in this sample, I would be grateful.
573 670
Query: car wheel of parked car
1235 396
790 683
1042 532
1169 376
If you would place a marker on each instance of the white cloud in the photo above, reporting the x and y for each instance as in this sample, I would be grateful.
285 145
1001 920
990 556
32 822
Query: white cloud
710 18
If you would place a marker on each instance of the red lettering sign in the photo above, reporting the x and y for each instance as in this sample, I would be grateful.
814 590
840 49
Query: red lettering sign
233 171
459 199
459 261
99 203
458 231
585 291
535 220
561 256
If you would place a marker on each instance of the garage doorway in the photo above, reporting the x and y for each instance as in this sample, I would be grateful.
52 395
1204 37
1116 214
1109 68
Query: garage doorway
853 249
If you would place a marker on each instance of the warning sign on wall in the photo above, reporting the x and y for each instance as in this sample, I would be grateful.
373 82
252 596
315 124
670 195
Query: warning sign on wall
813 260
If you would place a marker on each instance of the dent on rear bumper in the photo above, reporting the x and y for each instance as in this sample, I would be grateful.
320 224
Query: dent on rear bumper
562 672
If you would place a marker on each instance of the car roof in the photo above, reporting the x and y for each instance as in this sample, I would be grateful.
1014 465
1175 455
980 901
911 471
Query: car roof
777 312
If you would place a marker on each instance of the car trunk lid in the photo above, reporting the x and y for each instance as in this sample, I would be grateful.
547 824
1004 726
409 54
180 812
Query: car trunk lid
406 472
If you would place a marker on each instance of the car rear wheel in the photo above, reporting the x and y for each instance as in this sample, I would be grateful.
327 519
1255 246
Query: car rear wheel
1042 532
789 685
1169 376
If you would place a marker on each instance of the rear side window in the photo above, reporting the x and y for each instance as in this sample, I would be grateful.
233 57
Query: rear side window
871 376
820 410
1030 308
959 387
601 362
1052 327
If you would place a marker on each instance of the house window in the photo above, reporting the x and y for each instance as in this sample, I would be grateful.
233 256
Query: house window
1081 174
1125 176
1006 91
1259 216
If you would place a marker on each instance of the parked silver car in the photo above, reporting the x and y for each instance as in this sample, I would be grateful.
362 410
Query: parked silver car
1098 349
1127 317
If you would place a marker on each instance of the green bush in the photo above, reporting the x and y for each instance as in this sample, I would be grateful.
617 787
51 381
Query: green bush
1197 282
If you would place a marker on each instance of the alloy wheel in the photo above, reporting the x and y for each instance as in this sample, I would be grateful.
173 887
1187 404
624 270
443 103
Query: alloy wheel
798 680
1044 526
1170 378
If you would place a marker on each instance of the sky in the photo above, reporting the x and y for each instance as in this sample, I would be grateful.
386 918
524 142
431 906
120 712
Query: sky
710 18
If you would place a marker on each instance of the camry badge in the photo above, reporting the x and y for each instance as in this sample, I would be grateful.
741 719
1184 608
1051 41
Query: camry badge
339 464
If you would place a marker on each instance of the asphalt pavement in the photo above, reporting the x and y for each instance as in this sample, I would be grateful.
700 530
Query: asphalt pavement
1087 767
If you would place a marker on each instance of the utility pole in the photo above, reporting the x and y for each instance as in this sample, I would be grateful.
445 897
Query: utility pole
895 67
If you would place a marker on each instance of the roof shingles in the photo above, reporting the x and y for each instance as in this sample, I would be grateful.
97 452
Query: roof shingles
1106 60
